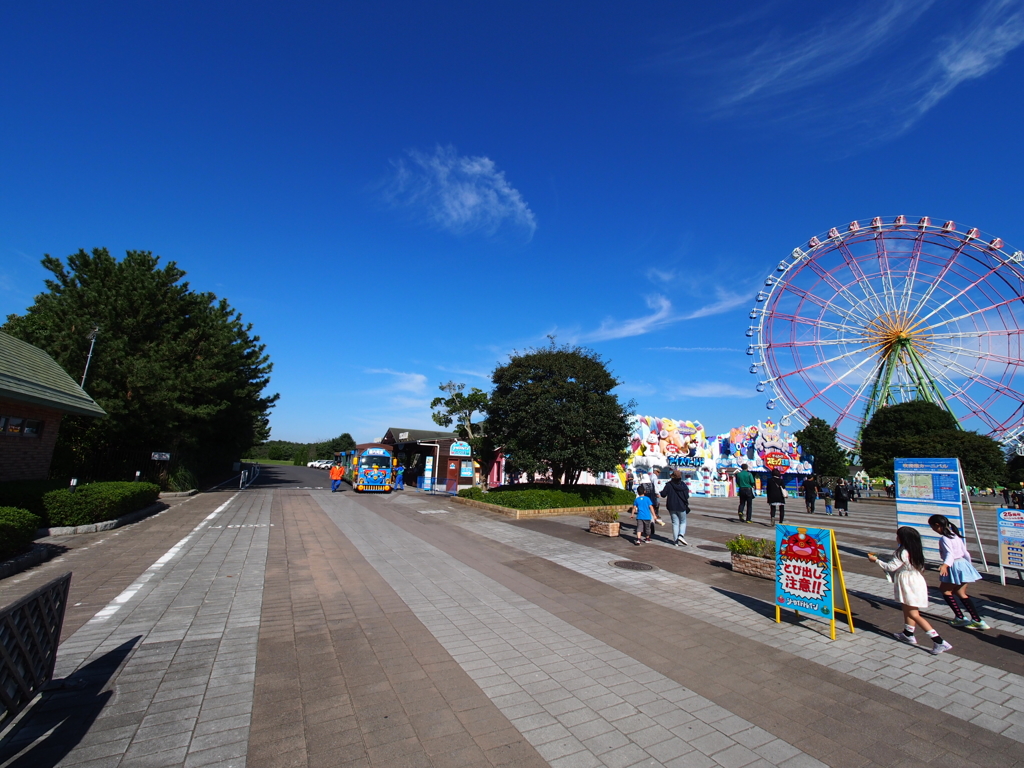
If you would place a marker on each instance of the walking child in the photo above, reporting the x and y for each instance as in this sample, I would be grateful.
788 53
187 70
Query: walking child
907 568
642 507
826 494
957 572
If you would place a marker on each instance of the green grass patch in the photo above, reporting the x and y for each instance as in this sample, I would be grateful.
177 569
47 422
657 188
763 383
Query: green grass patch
553 497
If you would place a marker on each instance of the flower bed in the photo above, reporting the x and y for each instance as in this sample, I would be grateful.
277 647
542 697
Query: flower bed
754 557
603 528
753 566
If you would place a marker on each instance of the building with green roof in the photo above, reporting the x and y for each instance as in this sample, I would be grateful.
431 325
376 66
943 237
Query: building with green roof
35 394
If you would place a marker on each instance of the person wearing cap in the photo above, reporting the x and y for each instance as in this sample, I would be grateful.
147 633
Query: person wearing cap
337 472
745 490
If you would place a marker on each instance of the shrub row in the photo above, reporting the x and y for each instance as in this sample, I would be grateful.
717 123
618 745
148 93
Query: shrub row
28 494
17 529
552 497
98 502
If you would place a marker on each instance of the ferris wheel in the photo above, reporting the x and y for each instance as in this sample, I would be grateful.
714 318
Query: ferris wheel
883 313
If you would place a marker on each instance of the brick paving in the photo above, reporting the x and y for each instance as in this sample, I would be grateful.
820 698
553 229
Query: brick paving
288 627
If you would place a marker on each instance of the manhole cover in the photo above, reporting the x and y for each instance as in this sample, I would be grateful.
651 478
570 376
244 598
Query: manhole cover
712 548
632 565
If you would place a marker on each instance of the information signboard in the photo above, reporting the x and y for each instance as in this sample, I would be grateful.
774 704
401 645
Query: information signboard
460 448
926 487
1010 525
807 570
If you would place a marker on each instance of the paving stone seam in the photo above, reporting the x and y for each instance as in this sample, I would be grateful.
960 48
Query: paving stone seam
473 616
699 600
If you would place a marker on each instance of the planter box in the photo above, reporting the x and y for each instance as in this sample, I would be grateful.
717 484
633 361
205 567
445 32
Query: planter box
604 529
753 566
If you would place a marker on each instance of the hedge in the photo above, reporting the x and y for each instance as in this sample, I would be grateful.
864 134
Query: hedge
28 494
98 502
17 529
552 497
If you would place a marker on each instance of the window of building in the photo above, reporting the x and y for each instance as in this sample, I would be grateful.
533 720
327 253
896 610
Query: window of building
16 426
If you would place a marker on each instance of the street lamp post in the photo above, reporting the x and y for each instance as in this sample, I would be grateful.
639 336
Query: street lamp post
92 343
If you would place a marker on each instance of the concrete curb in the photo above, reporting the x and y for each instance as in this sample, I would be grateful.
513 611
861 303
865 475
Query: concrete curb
522 514
38 554
106 525
173 494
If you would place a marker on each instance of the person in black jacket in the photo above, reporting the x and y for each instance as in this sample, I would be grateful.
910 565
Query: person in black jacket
777 495
677 501
842 495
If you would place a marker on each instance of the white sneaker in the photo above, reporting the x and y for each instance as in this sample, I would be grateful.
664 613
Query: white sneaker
683 541
938 648
902 637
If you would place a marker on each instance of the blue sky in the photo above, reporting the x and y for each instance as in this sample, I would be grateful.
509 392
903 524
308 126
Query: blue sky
399 194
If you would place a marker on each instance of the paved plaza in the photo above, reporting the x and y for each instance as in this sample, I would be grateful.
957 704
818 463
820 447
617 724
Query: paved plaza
285 626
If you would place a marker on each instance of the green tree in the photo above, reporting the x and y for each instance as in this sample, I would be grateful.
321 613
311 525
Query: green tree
301 457
327 448
921 430
819 440
552 409
459 408
174 369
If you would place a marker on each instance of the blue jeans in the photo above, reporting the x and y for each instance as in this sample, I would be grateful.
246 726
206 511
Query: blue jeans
678 524
335 485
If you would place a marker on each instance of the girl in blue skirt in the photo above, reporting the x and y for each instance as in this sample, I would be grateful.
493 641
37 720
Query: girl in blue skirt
956 573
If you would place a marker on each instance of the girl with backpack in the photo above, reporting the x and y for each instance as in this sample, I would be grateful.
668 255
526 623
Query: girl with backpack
776 493
911 590
957 572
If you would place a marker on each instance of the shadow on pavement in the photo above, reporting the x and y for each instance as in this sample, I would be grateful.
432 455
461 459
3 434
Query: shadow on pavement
65 714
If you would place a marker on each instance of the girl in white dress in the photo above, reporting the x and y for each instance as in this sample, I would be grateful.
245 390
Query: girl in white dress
907 568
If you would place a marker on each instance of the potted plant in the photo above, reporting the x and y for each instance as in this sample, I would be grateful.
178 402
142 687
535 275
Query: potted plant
755 557
605 523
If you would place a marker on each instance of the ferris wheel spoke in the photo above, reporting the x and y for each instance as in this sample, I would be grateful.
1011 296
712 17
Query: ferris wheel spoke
956 296
854 401
1003 303
827 305
815 343
976 334
820 363
908 283
838 287
1014 361
978 410
940 278
981 378
810 321
883 259
836 381
851 261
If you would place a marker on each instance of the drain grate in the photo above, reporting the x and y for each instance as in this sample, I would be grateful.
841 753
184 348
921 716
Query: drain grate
632 565
712 548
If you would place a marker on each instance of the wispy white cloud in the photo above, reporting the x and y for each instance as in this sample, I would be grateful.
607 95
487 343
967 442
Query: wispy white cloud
459 193
465 372
712 389
662 315
877 69
782 64
656 275
621 329
404 382
997 29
